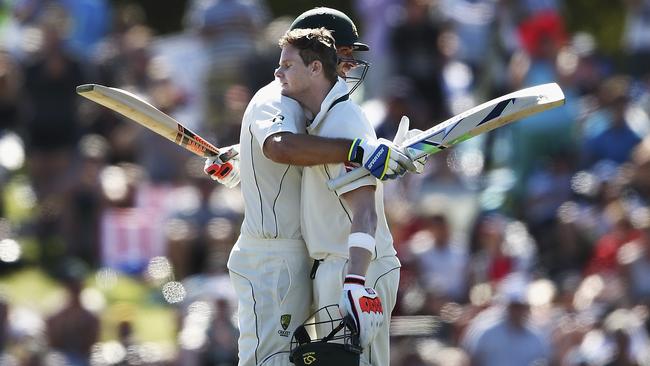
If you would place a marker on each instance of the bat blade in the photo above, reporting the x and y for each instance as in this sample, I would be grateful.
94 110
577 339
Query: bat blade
475 121
138 110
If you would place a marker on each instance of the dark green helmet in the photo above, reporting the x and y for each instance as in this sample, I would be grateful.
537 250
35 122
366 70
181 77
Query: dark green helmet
342 28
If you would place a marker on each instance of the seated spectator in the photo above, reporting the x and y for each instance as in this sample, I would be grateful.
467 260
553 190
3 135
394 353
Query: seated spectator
503 336
635 260
221 345
73 330
489 263
618 140
441 262
604 257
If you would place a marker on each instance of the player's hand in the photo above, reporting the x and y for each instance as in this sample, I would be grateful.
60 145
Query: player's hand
403 134
381 158
224 168
362 309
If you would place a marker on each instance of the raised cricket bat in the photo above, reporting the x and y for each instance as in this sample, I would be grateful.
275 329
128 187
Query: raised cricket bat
138 110
482 118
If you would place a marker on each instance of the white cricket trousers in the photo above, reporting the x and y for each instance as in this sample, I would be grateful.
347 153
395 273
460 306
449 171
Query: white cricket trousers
383 276
271 279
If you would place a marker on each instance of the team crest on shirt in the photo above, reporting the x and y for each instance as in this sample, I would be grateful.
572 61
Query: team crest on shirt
285 320
278 119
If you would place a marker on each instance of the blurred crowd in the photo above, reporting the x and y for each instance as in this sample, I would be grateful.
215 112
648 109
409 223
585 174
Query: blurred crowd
526 246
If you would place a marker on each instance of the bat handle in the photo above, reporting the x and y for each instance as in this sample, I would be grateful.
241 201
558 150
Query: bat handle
351 176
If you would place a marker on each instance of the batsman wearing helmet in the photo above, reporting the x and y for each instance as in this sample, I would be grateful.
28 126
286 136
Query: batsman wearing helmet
269 264
348 236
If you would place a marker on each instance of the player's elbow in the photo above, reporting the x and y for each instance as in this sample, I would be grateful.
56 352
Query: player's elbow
279 149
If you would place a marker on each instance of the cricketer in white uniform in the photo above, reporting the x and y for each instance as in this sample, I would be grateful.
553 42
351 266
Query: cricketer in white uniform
269 265
327 228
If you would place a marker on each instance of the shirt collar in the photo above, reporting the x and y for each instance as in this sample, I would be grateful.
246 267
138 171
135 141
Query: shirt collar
338 90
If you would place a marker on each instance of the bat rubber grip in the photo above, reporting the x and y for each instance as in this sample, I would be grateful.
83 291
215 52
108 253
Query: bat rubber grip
351 176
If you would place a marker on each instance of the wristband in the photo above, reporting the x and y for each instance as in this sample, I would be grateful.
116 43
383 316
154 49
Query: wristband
355 154
362 240
352 279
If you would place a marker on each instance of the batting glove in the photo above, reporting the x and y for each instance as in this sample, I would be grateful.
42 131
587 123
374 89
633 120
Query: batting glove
361 307
224 168
403 134
381 157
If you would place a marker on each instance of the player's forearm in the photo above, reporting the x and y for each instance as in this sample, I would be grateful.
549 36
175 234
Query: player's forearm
363 228
306 150
366 223
359 261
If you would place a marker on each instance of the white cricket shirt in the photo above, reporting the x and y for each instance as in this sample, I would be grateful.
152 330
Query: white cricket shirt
326 218
271 191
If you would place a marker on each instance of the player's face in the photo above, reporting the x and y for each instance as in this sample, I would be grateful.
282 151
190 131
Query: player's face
347 61
292 72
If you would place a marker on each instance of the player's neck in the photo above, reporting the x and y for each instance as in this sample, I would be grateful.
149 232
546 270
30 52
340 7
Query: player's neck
317 94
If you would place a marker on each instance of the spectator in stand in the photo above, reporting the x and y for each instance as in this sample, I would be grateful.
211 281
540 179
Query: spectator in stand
90 24
229 30
52 129
416 56
396 102
441 263
539 61
488 262
73 330
473 21
376 19
636 36
79 223
617 141
502 335
635 260
604 258
221 345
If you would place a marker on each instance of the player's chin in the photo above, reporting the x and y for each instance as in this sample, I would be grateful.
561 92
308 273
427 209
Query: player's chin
286 90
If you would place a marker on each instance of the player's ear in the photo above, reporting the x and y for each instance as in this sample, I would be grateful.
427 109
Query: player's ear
316 67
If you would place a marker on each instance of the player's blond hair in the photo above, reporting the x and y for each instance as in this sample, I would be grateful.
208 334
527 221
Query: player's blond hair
314 45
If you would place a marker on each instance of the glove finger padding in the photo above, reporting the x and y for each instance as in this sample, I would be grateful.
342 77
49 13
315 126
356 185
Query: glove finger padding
225 167
363 310
406 135
402 131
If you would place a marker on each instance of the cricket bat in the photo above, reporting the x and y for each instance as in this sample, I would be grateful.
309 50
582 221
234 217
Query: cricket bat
140 111
475 121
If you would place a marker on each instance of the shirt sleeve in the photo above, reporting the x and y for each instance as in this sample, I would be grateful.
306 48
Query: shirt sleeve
282 114
352 129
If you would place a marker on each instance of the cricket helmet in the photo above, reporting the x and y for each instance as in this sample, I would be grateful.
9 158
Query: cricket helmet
339 347
342 28
345 35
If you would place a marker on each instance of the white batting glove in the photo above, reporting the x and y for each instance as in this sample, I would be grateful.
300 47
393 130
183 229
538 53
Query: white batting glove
403 134
224 168
381 158
362 309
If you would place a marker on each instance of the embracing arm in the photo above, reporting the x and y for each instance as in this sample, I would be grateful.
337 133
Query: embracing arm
306 150
382 158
